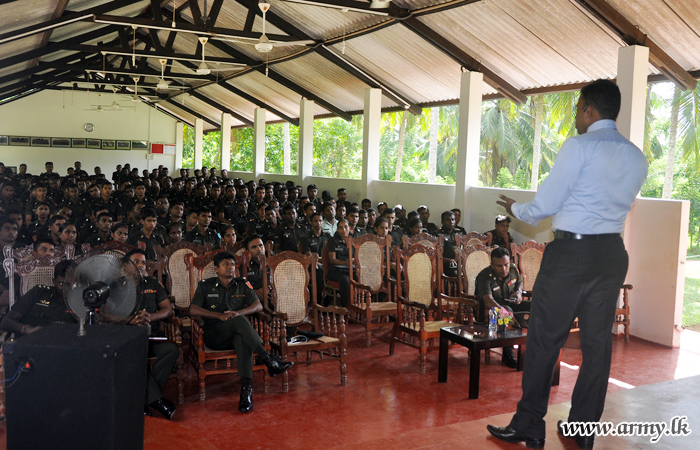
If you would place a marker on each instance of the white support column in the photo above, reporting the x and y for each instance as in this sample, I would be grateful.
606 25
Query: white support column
259 142
179 143
632 68
198 143
306 140
370 140
468 141
225 162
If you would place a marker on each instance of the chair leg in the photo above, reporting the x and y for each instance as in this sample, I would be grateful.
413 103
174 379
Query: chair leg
202 384
627 332
393 339
368 335
285 382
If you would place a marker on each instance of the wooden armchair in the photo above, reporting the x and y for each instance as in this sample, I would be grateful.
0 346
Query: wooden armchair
421 238
368 280
291 275
422 307
207 361
622 314
177 275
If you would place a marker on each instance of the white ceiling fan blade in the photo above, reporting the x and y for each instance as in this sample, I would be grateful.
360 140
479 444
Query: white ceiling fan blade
374 6
236 41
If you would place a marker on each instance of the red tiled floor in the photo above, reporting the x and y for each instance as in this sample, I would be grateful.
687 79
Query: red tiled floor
388 403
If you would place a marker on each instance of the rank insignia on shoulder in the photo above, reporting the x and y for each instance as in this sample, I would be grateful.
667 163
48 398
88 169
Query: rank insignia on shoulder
247 283
510 283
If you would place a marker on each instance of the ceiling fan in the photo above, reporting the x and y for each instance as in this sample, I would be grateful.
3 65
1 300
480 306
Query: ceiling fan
263 43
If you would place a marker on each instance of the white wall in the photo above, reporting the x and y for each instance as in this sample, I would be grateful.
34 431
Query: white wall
63 114
656 237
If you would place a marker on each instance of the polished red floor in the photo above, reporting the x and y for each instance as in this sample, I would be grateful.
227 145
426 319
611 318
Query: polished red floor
388 403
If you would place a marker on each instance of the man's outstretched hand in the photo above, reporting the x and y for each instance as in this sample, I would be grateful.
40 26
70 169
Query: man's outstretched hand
506 203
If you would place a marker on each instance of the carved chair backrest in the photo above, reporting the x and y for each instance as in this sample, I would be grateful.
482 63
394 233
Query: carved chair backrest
471 238
202 267
528 258
291 276
370 256
474 259
418 274
426 239
36 271
178 275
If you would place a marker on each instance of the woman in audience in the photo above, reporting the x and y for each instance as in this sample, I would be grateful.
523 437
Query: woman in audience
415 226
338 254
68 234
228 238
120 232
174 232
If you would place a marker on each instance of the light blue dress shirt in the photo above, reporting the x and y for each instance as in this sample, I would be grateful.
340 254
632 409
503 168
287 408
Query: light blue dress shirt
592 185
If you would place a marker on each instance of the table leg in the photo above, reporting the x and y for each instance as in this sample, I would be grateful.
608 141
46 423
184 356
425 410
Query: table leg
442 361
521 359
474 368
557 370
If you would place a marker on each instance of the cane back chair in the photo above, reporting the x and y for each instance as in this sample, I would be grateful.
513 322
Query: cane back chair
293 278
368 281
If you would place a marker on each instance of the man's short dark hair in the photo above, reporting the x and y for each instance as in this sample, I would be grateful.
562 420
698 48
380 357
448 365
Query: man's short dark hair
456 210
5 220
353 209
221 256
250 239
388 211
101 215
341 190
61 268
38 242
499 252
502 218
309 205
137 251
53 219
604 96
148 212
311 186
287 207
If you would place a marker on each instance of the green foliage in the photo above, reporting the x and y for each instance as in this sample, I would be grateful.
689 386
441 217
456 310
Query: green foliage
338 148
274 148
242 150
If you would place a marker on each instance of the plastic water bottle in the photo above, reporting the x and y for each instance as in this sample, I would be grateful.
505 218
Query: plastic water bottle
493 323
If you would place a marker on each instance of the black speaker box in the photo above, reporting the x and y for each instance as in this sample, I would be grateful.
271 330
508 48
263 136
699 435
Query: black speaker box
77 392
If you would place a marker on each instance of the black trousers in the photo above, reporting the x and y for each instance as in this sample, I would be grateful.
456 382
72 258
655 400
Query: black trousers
166 354
239 334
577 278
344 280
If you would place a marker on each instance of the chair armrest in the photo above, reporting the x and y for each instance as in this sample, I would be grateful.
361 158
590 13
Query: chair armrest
359 285
464 300
417 305
627 287
331 309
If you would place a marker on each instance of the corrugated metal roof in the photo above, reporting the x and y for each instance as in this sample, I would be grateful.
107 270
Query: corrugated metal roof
529 44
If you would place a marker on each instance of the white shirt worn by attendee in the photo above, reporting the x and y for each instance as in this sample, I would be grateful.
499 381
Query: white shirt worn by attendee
592 185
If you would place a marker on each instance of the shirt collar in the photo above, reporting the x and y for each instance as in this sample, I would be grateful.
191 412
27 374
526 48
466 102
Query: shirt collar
602 124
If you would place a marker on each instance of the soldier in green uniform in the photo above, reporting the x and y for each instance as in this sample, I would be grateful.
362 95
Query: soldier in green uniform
223 302
147 238
155 306
500 284
40 306
201 234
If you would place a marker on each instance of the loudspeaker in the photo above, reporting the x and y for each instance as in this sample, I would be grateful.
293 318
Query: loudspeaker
77 392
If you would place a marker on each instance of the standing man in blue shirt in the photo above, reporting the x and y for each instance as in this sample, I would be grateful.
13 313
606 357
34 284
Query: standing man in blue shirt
590 191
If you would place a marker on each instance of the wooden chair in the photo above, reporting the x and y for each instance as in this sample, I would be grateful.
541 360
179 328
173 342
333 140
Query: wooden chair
474 259
622 314
471 238
527 257
115 247
422 306
368 280
292 274
22 254
207 361
421 238
177 274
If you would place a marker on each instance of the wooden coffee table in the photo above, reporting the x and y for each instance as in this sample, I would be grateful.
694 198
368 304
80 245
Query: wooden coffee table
475 338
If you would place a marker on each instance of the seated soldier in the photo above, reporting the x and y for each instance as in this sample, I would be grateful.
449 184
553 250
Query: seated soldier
201 234
424 213
173 233
147 238
120 233
458 218
40 306
291 232
330 224
314 242
448 233
500 236
155 306
104 230
272 231
415 227
395 232
228 237
254 245
223 302
362 220
499 285
338 254
353 217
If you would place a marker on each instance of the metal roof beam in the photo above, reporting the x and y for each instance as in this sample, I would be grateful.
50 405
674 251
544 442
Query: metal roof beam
194 113
142 53
259 103
221 107
56 64
461 57
632 35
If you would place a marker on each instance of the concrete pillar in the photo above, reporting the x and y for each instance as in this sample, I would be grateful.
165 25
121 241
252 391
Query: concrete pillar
259 142
370 140
198 143
632 68
225 162
179 143
306 140
468 142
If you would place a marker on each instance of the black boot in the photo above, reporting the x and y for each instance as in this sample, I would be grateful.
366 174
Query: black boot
275 365
166 408
245 405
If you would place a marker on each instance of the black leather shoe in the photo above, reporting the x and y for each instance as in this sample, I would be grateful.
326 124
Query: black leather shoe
584 442
508 359
507 434
245 405
166 409
275 365
147 412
